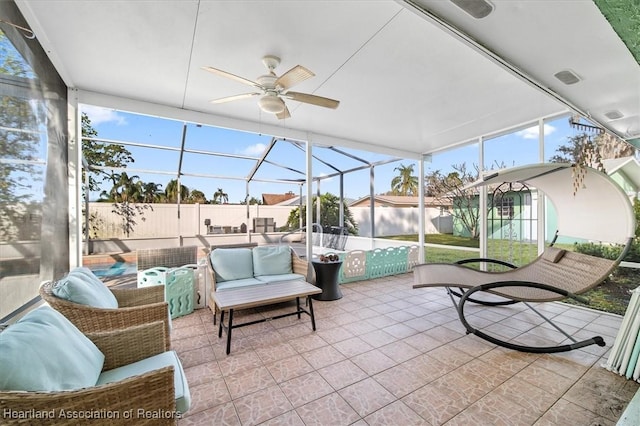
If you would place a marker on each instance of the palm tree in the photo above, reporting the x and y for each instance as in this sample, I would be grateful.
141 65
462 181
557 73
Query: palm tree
171 191
406 183
125 189
151 192
197 196
220 197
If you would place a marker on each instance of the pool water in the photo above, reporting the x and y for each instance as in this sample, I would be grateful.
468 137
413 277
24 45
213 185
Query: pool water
114 269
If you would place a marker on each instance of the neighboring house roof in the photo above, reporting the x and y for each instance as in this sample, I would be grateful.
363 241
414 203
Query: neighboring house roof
273 199
628 166
398 201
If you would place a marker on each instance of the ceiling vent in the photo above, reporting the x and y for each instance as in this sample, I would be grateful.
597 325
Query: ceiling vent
477 8
567 77
613 115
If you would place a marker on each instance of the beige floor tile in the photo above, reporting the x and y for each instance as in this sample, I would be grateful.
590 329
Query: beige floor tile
341 374
386 354
396 413
366 396
249 381
261 406
330 410
304 389
373 362
288 368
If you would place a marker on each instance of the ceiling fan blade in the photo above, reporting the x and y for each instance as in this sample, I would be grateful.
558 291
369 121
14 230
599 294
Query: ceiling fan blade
233 98
232 76
294 76
283 114
312 99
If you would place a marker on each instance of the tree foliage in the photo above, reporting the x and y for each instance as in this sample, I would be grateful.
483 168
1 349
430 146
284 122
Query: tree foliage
220 197
329 214
101 154
605 145
450 190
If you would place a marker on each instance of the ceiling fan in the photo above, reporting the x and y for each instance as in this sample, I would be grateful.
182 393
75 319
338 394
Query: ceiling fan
273 88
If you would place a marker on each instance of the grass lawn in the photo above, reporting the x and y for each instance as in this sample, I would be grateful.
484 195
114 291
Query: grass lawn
611 296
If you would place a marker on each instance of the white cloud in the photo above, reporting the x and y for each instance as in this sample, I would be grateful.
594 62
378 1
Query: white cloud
533 133
257 149
99 115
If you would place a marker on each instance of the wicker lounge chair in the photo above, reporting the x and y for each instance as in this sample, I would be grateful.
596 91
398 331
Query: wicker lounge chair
556 274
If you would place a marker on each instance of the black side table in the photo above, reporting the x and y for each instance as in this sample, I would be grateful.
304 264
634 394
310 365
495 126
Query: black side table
327 278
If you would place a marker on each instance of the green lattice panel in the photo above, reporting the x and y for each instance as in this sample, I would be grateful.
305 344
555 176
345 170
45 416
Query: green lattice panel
179 291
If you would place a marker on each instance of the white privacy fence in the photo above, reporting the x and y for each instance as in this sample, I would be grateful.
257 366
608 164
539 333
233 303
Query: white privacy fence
162 220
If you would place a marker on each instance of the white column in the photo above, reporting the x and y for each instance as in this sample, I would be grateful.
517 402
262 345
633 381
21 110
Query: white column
75 180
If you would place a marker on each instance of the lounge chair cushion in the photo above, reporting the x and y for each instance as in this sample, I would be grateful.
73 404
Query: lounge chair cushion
81 286
271 260
280 277
165 359
232 264
44 351
553 254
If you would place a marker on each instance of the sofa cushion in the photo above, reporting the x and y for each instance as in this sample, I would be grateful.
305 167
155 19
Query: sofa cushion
165 359
80 285
245 282
280 277
44 351
271 260
232 263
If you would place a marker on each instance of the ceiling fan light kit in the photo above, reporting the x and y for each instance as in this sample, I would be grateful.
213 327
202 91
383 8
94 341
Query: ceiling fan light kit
275 88
271 103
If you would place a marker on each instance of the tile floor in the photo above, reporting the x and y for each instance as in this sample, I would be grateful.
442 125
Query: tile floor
386 354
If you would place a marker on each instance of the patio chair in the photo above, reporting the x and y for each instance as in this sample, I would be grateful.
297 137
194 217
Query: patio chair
556 274
93 307
49 369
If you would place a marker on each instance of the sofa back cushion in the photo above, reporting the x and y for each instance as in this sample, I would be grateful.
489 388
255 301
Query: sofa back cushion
232 263
44 351
80 285
271 260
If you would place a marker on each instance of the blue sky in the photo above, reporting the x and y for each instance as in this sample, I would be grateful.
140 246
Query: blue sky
517 148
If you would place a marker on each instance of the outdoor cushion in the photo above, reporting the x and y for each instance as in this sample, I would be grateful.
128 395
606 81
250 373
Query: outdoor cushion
245 282
280 277
79 287
165 359
553 254
44 351
232 264
271 260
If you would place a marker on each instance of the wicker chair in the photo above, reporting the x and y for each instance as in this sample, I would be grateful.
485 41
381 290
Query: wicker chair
152 392
136 306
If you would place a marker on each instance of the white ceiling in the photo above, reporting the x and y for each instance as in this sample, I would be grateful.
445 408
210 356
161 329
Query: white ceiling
407 84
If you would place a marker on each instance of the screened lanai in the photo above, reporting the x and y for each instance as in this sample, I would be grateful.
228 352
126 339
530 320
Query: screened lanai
413 79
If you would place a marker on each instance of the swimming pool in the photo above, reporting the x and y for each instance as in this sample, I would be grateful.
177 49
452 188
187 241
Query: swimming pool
114 269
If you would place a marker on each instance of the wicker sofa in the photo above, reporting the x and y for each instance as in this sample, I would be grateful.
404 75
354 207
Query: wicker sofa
93 307
50 372
235 267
